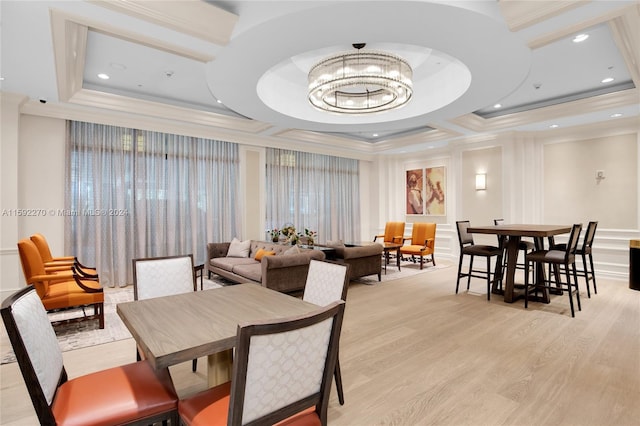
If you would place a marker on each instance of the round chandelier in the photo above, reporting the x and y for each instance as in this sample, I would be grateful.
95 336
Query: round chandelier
360 82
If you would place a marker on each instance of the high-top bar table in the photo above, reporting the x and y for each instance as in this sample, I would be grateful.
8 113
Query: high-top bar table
174 329
515 233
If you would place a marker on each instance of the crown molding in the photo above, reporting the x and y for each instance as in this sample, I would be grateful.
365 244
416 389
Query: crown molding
626 11
581 106
435 135
626 33
129 105
197 18
522 14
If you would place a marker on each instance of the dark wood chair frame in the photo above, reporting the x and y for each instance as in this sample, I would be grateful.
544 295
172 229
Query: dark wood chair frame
469 248
557 258
194 363
585 251
38 399
345 286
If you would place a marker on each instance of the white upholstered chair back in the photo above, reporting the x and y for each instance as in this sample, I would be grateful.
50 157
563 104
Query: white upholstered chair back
326 283
163 276
285 363
39 339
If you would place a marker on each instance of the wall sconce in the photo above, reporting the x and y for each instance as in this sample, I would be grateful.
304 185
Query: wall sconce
481 182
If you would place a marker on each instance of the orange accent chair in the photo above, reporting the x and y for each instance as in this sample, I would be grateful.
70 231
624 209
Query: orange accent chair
60 290
423 243
289 389
60 263
393 233
127 394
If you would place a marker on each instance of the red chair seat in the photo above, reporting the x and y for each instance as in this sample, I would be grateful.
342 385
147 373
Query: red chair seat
211 408
132 388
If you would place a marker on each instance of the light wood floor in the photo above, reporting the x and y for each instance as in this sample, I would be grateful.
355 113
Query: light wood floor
414 353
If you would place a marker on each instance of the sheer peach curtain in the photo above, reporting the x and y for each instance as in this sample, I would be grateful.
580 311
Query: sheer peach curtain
316 191
134 193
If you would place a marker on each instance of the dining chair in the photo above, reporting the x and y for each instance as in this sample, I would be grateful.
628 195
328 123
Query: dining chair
555 257
281 373
422 243
326 283
61 290
59 263
469 248
585 250
163 276
132 393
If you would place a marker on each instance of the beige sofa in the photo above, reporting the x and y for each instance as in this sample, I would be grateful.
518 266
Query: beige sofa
283 272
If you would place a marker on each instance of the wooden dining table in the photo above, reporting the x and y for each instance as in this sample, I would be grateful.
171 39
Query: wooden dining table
515 232
173 329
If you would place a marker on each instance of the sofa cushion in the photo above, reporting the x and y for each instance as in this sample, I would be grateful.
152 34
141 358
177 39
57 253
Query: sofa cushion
239 248
263 252
227 263
251 271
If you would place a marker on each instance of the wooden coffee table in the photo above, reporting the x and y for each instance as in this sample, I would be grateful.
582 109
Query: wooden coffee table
387 249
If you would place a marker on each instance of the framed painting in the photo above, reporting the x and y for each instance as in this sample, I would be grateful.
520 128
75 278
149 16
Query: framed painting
415 189
435 192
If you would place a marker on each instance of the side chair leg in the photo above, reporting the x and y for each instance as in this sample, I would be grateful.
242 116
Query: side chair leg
526 287
194 365
586 274
338 376
470 272
488 278
593 274
575 277
459 273
573 314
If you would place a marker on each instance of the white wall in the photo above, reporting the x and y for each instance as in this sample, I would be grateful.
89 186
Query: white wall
516 166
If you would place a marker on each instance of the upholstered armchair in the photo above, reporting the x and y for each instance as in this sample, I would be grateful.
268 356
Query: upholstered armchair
393 233
422 243
52 264
60 290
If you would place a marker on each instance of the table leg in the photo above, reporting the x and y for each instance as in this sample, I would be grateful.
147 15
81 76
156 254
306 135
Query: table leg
509 276
398 258
219 367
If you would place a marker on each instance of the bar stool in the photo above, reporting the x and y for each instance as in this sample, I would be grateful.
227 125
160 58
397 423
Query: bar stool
467 247
556 258
587 271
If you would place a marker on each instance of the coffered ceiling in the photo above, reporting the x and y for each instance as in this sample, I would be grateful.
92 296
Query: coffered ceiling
241 66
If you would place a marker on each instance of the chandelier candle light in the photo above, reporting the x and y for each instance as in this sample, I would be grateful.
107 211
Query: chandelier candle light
360 82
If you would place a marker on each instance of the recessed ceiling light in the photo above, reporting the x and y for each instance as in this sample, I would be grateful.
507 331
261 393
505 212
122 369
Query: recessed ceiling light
375 135
607 80
497 106
616 115
580 38
219 101
1 78
554 126
103 76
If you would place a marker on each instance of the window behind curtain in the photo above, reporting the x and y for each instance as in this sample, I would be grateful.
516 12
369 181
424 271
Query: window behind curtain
313 191
134 193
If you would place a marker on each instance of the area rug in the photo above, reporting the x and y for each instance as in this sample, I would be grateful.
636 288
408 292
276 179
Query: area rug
407 269
87 333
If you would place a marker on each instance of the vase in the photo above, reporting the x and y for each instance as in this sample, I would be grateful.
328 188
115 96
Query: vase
274 239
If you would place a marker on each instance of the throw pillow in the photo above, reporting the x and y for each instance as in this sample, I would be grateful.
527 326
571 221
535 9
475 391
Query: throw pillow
262 252
292 250
239 248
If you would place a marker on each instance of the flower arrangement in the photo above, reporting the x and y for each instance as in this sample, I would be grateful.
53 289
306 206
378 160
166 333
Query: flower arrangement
311 235
289 231
275 233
